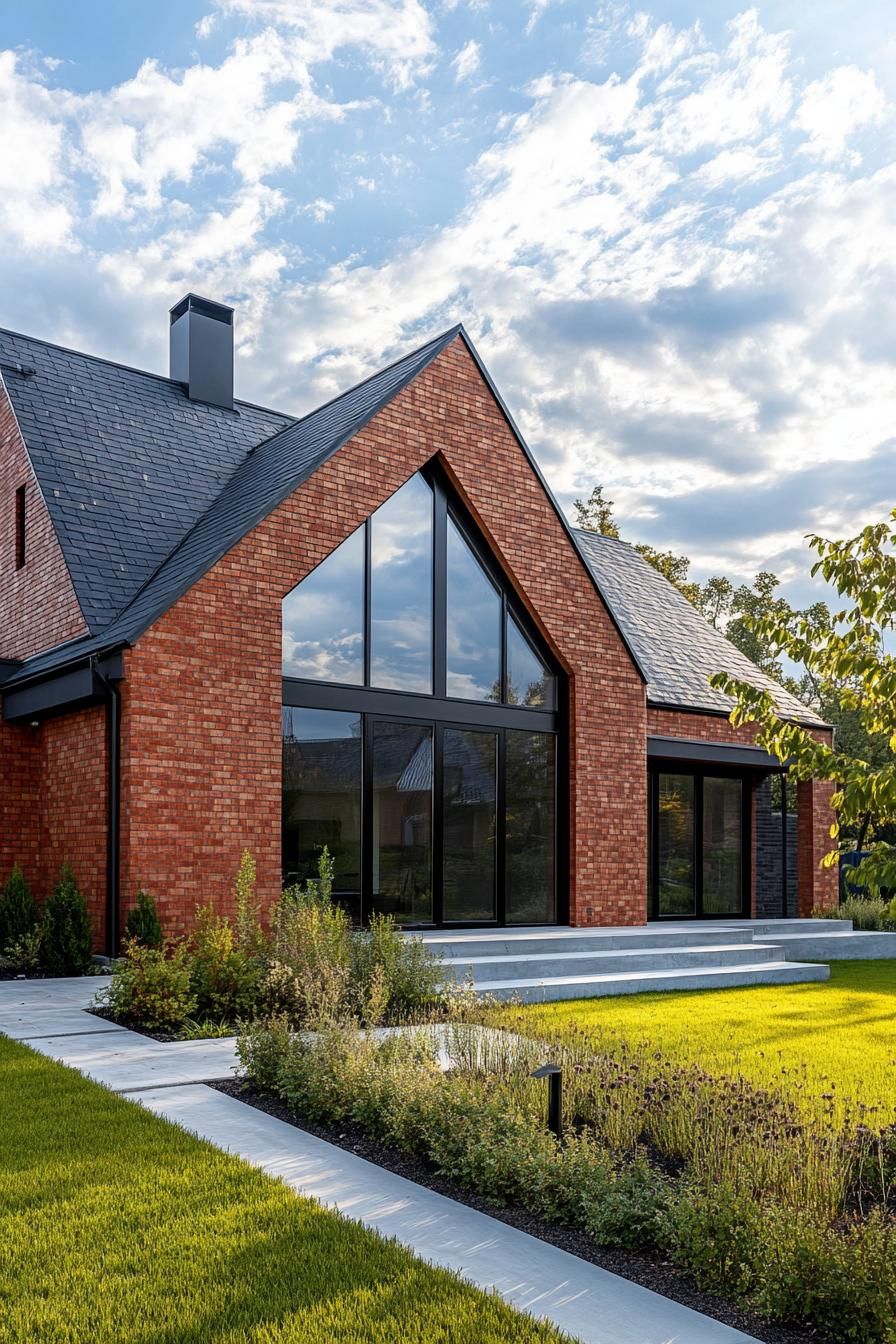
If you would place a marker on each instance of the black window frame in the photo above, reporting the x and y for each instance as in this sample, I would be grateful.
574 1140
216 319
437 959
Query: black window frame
699 772
442 712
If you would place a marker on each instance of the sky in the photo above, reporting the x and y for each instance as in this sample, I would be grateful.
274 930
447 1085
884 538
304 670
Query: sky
669 230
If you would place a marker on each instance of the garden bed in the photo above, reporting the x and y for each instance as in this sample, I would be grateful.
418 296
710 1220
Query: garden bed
649 1271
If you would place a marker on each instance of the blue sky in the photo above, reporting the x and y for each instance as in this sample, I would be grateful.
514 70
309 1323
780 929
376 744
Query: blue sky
669 229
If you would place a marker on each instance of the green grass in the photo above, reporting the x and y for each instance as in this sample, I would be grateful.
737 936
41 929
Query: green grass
116 1226
811 1039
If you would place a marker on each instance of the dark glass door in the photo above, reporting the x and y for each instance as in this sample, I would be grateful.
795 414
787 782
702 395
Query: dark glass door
469 821
699 844
400 792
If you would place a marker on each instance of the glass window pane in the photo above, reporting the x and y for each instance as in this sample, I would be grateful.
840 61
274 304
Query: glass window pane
531 822
468 784
402 821
474 625
322 798
401 590
675 844
323 618
528 680
722 847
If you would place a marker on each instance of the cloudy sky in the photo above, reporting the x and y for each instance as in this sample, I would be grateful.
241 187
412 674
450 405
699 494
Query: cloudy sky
669 230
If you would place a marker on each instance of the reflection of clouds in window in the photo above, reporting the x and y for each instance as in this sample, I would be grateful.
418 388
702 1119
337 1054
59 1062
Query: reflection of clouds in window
474 625
323 618
401 590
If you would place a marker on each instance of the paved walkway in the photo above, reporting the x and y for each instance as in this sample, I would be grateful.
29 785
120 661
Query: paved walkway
595 1306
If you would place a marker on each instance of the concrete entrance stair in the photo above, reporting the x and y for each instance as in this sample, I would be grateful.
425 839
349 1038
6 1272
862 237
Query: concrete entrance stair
538 965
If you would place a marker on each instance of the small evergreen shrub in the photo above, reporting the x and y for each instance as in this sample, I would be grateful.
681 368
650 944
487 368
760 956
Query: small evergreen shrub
143 924
22 957
150 987
65 947
19 914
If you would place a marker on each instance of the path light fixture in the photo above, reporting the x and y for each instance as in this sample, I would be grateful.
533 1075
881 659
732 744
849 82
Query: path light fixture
554 1075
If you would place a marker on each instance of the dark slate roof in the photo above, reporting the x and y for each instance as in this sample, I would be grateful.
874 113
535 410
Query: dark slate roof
125 461
678 649
259 478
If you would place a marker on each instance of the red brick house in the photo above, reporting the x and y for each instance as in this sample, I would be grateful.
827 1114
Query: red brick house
372 628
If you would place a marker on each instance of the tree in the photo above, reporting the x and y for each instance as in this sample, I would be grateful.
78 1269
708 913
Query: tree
67 936
595 514
845 657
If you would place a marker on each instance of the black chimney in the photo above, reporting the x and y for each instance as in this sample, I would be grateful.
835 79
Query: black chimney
201 349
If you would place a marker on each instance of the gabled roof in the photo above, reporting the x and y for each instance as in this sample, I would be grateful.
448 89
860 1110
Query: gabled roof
125 461
677 648
268 456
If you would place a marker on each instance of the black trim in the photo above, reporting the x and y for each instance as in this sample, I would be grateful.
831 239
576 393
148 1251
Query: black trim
72 689
711 753
408 705
113 813
714 712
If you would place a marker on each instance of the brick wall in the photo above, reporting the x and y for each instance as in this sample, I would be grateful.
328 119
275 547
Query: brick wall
202 703
53 805
38 607
19 799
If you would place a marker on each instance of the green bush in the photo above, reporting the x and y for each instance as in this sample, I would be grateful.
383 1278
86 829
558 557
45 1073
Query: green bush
143 924
224 979
715 1234
392 974
870 914
19 914
150 987
65 947
308 970
22 957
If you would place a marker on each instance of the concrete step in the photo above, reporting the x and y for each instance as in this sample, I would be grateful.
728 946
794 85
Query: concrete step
607 961
855 945
554 988
466 943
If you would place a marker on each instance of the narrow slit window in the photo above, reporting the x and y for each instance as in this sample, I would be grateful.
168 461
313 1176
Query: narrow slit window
20 527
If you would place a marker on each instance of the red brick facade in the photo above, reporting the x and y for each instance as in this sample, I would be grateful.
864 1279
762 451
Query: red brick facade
201 695
38 607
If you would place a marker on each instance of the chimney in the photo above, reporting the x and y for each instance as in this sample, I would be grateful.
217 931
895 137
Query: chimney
201 349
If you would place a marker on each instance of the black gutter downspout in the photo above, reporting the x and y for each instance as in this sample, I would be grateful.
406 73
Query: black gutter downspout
784 844
113 842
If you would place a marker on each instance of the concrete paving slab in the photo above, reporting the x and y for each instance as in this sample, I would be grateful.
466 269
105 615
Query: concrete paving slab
126 1060
75 991
24 1024
590 1303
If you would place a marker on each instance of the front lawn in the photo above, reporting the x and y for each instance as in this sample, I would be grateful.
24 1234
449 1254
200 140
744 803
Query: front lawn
118 1227
809 1040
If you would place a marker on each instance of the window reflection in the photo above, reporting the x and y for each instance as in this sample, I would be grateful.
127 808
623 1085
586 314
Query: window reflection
531 819
323 618
474 625
528 680
468 773
401 590
675 841
322 798
402 821
722 846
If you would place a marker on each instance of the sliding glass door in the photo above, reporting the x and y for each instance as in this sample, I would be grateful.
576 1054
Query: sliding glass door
699 844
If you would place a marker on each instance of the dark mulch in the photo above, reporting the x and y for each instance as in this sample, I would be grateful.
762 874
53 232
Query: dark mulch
139 1027
650 1271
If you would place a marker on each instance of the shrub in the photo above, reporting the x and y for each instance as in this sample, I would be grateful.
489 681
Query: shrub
224 979
392 973
18 909
65 948
150 987
309 956
870 914
714 1233
250 937
143 924
22 957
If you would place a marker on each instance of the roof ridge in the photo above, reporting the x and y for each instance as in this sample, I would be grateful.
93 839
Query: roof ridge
445 338
132 368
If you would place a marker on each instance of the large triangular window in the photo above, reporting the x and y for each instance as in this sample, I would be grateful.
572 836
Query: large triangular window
411 602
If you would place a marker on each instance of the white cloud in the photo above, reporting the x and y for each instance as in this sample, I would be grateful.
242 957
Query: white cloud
835 107
466 62
34 209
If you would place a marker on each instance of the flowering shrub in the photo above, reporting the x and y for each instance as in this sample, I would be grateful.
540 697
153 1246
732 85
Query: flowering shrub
150 987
